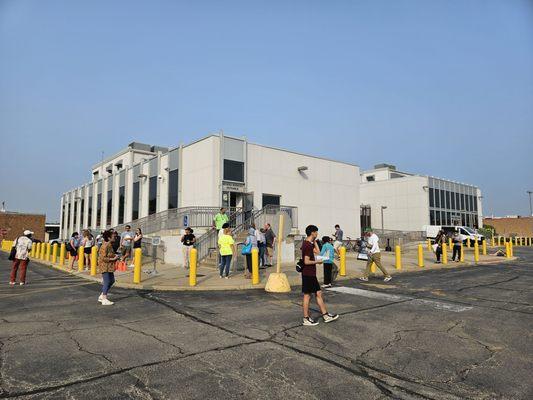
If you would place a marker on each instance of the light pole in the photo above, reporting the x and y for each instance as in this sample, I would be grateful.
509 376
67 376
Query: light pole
530 208
382 226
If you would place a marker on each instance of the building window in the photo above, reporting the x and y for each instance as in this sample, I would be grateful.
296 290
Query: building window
448 202
370 178
453 201
463 205
173 189
271 199
448 218
82 212
98 209
366 221
431 198
109 207
68 216
135 201
457 201
90 212
233 171
432 217
475 204
437 198
152 195
442 201
75 213
437 217
121 200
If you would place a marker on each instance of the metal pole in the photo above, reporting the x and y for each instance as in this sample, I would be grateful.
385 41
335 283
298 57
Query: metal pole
530 207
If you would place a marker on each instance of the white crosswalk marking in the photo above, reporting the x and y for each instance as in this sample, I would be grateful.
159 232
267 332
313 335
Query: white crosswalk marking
438 305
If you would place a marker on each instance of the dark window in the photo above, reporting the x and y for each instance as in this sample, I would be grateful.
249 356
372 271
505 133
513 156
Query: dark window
75 213
68 216
475 203
448 203
431 198
442 197
370 178
271 199
365 217
152 195
121 199
453 201
432 217
448 218
437 217
90 212
437 198
463 204
82 212
476 222
233 171
463 219
457 201
98 208
109 206
173 189
135 201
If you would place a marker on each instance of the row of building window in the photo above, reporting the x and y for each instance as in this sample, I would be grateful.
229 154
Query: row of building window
437 217
440 198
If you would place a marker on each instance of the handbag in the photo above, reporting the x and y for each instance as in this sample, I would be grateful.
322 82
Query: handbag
13 251
300 265
247 249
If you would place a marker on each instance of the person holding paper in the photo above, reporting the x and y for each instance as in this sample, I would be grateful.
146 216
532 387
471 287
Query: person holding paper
328 254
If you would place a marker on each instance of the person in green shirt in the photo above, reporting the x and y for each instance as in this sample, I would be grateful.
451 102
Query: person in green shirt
220 219
227 248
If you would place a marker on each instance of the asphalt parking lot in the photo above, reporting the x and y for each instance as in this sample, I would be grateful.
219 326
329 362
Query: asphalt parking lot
456 333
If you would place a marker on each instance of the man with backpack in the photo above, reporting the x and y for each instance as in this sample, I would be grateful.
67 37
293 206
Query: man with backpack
310 283
19 256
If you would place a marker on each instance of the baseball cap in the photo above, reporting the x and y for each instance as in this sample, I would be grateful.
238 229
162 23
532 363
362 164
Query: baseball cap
27 232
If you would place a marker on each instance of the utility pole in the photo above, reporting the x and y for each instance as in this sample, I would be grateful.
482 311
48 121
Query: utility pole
530 207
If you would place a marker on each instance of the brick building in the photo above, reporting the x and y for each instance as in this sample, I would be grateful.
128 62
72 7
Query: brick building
12 224
511 226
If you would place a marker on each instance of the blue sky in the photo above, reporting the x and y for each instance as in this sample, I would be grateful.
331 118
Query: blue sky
443 88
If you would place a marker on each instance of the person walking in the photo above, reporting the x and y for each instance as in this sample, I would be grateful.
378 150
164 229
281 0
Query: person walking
456 239
106 266
188 240
261 245
73 245
327 251
310 283
270 240
22 249
338 235
374 256
440 239
227 248
249 244
220 219
87 243
126 240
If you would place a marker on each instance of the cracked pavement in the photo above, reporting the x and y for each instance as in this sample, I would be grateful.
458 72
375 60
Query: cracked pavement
57 342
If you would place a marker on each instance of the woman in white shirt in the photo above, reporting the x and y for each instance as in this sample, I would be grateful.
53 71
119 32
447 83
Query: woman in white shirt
87 243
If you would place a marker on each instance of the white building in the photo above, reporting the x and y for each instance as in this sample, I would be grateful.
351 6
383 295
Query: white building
408 201
142 180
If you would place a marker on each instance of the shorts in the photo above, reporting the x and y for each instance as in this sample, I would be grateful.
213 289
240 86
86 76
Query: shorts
310 284
337 244
125 250
87 250
73 252
270 251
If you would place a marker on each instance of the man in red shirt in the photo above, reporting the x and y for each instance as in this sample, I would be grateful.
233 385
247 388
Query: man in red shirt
310 283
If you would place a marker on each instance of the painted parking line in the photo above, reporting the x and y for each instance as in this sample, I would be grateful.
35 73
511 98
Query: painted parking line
438 305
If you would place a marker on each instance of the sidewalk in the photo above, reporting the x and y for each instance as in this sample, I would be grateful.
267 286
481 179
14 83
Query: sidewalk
175 278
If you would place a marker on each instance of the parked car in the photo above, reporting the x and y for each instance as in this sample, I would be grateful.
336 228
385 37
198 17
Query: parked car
464 232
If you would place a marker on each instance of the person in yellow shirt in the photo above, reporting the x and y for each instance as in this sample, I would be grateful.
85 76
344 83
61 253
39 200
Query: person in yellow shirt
227 248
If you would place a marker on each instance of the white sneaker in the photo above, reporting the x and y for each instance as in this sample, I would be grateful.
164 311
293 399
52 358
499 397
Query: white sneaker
131 266
330 317
326 286
387 278
100 298
308 321
106 302
362 278
12 283
22 283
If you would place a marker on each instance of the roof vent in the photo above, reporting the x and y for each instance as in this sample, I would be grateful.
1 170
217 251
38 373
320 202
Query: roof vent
383 165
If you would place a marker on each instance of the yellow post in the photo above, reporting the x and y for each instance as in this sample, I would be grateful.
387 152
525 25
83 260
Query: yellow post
94 258
429 244
62 254
511 245
193 257
32 251
398 252
54 253
48 251
484 247
342 253
137 264
476 251
468 242
81 258
255 266
492 243
499 241
450 243
516 240
420 256
507 250
462 254
444 253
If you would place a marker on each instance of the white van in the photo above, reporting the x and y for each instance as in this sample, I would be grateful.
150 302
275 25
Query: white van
464 232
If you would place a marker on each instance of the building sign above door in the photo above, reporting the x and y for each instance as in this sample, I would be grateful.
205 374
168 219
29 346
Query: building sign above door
233 187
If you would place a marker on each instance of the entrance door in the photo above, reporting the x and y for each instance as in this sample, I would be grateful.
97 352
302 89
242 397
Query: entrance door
248 204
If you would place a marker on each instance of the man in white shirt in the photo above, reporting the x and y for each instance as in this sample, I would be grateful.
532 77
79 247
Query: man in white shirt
22 248
374 256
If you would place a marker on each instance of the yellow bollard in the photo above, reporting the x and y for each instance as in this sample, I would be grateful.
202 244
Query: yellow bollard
342 254
255 266
511 245
450 243
32 251
62 254
54 253
420 256
515 241
468 242
81 258
94 259
462 253
41 251
137 264
48 251
444 253
499 241
484 247
429 244
507 250
476 251
492 243
398 251
193 258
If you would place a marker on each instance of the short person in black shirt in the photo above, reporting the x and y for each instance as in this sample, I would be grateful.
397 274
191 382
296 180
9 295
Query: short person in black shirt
310 283
188 241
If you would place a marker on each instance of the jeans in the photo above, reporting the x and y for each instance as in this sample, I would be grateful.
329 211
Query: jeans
328 268
249 262
16 263
225 263
456 252
109 280
262 250
438 253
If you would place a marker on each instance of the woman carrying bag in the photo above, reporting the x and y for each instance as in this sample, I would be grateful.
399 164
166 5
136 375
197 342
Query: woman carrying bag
249 244
106 266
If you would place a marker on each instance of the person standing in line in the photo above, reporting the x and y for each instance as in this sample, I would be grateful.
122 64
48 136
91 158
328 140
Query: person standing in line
100 239
73 243
270 240
339 235
188 240
261 245
220 219
137 239
126 239
456 239
220 233
440 239
374 256
327 251
106 266
116 241
22 247
227 248
310 283
249 244
87 243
